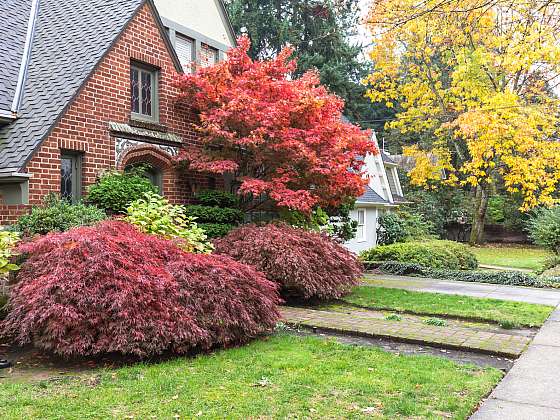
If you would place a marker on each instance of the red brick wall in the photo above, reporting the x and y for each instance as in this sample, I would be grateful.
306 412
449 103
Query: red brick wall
106 97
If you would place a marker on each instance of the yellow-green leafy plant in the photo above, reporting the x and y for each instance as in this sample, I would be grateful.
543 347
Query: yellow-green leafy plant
8 241
154 214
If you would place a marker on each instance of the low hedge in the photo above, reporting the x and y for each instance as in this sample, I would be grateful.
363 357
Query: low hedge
512 278
216 230
435 254
217 198
206 214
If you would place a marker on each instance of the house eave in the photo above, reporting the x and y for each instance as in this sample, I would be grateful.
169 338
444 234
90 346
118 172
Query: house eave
7 116
14 177
369 204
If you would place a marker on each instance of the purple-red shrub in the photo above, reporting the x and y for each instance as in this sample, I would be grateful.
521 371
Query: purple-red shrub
231 301
107 288
305 264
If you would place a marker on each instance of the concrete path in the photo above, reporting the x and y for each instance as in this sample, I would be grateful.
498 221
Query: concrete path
495 291
366 323
530 390
502 268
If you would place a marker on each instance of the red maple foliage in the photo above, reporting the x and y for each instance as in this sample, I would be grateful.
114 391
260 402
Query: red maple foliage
281 136
231 301
110 288
305 264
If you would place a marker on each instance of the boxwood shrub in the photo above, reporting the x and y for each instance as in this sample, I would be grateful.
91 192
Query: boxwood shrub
217 198
209 214
116 190
435 254
512 278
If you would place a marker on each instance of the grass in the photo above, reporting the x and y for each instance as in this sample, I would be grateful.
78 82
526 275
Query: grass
423 303
527 257
284 376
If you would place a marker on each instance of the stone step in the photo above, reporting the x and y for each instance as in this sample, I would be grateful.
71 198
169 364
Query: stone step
452 337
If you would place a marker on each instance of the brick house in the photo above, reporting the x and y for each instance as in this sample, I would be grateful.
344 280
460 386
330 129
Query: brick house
86 86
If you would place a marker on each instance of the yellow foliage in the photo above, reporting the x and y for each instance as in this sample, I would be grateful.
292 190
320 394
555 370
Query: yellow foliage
480 79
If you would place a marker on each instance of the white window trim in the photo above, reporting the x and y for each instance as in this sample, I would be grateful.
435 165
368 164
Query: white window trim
364 237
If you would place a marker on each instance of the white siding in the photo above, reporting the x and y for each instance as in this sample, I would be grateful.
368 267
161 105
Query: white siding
369 240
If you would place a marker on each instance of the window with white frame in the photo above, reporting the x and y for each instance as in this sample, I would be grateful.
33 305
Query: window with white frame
144 92
361 231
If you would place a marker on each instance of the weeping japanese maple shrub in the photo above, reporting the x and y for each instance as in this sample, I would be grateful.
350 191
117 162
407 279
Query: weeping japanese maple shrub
231 301
107 288
305 264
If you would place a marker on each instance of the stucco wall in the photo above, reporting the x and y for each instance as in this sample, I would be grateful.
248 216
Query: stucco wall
203 16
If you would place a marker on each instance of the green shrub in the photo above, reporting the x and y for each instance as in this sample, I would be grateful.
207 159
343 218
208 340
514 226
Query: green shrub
544 228
216 230
116 190
57 215
208 214
154 215
403 226
512 278
434 254
551 263
8 241
216 198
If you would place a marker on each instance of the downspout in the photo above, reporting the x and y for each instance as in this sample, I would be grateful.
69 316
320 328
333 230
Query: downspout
22 76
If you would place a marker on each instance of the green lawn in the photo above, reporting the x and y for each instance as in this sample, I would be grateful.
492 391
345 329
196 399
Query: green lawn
500 311
282 377
511 256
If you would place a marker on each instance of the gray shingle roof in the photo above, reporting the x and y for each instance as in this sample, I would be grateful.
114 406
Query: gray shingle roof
13 28
387 159
71 37
370 196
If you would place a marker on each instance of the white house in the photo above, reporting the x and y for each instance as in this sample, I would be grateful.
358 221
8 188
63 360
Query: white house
383 194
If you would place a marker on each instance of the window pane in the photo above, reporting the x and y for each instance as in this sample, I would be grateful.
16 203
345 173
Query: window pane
360 232
146 93
184 48
361 217
135 90
66 175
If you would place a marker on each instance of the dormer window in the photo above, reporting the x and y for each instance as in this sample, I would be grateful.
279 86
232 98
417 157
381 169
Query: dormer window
144 93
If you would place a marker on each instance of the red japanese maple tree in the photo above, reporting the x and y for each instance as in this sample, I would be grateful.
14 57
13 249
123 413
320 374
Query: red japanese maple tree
282 137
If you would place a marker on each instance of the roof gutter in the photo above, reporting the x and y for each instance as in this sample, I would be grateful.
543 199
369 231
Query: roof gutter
26 56
6 116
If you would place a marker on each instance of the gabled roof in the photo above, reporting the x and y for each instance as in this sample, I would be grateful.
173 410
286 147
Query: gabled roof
387 159
371 197
70 39
13 29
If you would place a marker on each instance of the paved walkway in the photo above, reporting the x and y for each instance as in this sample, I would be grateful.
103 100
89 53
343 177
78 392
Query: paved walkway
502 268
496 291
361 322
530 390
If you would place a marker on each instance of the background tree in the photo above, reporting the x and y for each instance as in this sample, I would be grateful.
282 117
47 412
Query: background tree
282 136
321 34
476 80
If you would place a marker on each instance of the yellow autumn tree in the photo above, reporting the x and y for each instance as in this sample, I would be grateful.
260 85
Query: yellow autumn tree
482 77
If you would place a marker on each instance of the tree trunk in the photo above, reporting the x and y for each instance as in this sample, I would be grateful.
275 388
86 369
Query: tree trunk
480 207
